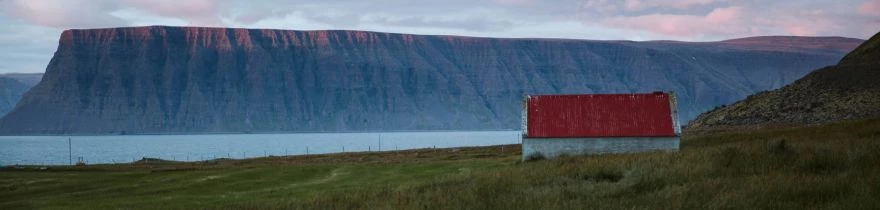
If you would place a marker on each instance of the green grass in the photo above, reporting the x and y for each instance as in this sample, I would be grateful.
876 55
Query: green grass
215 184
825 167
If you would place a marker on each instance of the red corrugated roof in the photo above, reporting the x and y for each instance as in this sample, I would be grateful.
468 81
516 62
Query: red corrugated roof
599 115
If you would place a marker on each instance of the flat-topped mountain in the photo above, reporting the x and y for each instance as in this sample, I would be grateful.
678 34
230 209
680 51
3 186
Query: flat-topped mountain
190 80
846 91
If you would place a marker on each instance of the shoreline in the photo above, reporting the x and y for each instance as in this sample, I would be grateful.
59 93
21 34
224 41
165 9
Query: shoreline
258 133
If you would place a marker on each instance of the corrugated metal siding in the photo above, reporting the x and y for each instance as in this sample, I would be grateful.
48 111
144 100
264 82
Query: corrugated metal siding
600 115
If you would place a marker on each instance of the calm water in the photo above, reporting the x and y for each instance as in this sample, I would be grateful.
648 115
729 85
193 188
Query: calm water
53 150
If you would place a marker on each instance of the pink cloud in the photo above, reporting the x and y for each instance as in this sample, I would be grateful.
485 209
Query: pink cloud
513 2
720 21
634 5
196 12
99 13
799 30
639 5
59 14
871 7
801 23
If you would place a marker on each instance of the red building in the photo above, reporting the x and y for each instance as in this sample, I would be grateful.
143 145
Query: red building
599 123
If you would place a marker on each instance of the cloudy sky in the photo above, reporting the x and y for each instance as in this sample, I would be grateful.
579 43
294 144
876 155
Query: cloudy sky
29 29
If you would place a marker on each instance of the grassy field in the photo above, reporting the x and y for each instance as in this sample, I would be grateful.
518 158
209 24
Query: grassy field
155 184
826 167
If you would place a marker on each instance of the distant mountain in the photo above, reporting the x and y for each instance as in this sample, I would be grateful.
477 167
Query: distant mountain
849 90
11 91
831 45
13 86
192 80
29 79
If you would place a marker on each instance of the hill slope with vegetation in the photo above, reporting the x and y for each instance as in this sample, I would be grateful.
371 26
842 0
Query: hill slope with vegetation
846 91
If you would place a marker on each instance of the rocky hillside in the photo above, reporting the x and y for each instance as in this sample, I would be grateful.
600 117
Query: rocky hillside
846 91
185 79
12 87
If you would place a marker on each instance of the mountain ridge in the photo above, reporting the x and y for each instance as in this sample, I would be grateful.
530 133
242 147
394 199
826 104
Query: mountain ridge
199 80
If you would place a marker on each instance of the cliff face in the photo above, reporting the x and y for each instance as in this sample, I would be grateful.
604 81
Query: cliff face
846 91
182 79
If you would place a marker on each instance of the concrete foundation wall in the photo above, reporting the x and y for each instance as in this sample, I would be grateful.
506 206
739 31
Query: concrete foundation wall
553 147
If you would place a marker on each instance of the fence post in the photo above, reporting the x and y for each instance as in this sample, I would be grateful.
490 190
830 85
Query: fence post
69 151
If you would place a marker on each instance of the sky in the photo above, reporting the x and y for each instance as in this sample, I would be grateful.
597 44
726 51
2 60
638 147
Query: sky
29 29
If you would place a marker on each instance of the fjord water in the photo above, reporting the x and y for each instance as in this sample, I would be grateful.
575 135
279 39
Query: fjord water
53 150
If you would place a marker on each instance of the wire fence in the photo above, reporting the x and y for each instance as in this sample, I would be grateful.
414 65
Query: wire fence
43 151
